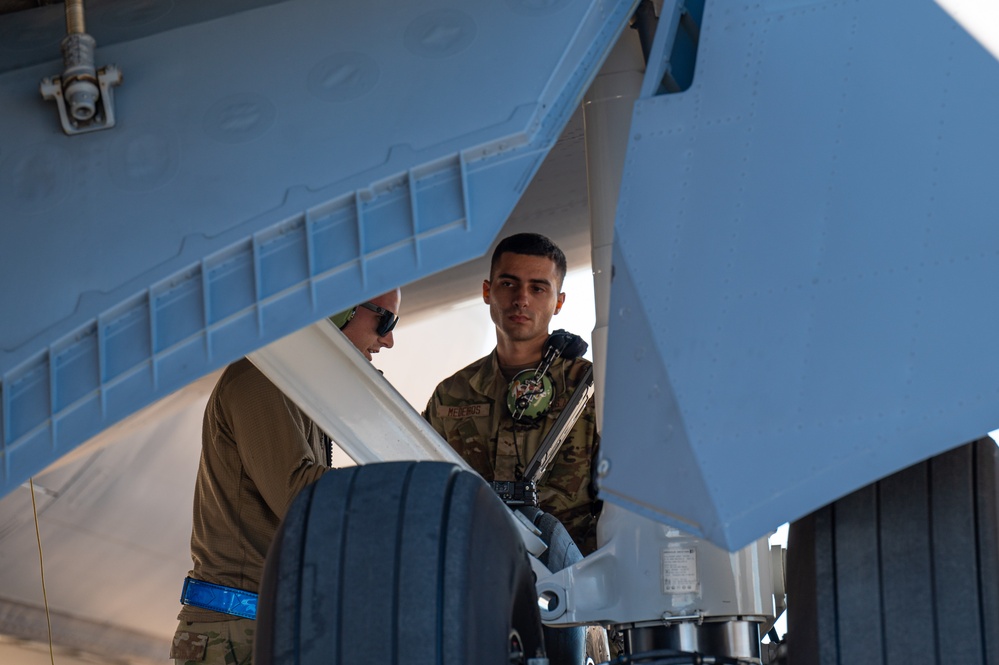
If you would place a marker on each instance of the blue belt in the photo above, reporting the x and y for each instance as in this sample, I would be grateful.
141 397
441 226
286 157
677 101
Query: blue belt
224 599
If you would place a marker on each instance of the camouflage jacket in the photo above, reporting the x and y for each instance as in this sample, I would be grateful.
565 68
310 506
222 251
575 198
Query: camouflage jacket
469 410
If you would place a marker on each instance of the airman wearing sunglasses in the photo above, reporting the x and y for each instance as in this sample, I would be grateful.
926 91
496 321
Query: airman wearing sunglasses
258 450
369 325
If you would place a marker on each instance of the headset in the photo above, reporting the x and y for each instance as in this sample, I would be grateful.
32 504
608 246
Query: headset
532 391
341 319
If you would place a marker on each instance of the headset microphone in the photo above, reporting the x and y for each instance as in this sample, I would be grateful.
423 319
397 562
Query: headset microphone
569 346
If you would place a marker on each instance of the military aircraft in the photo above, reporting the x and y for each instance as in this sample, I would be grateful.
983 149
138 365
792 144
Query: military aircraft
787 206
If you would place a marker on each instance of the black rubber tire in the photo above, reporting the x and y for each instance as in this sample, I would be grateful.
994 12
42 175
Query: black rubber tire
414 563
903 571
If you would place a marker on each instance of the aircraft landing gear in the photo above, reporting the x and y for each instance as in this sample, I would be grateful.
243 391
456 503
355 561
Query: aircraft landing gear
414 563
902 571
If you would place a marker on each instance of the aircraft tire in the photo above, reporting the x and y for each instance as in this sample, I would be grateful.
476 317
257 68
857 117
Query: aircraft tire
904 570
414 563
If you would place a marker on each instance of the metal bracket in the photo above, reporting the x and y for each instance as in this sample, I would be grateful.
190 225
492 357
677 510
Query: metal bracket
107 77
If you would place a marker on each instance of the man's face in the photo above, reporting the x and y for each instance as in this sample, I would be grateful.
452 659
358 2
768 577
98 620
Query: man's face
523 295
362 330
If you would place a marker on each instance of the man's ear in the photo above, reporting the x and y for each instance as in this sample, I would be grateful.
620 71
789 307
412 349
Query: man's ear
559 302
485 291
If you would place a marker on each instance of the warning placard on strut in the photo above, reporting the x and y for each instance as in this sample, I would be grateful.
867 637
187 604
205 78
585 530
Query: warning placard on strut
680 570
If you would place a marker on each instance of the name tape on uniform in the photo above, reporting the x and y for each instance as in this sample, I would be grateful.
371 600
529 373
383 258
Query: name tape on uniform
463 411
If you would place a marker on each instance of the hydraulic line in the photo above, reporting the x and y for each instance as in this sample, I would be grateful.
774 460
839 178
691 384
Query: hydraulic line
82 93
79 77
75 24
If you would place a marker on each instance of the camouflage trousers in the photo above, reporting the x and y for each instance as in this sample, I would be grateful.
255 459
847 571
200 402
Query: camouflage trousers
214 643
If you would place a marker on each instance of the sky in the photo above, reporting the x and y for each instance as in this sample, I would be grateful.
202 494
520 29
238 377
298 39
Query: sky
979 17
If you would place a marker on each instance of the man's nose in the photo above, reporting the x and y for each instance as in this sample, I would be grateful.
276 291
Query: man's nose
387 340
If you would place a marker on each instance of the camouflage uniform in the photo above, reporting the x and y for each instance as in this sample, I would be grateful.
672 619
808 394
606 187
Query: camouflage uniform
469 410
215 642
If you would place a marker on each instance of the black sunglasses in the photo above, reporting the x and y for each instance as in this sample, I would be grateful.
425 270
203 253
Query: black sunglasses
387 319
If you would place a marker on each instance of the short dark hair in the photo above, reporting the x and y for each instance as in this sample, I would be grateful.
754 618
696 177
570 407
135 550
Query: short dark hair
531 244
